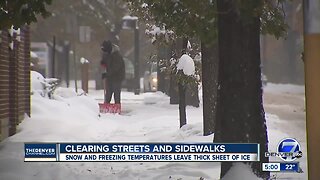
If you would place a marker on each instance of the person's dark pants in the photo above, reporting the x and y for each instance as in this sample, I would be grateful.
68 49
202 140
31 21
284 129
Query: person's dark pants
114 88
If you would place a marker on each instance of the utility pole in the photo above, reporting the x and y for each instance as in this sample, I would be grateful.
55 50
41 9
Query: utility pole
66 53
75 67
132 22
75 37
312 84
136 59
53 57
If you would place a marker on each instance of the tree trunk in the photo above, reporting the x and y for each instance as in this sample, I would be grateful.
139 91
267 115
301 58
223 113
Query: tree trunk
240 113
290 47
173 90
209 85
182 89
182 104
162 54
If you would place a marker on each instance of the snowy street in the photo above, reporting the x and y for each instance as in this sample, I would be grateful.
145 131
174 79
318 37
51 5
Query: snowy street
147 118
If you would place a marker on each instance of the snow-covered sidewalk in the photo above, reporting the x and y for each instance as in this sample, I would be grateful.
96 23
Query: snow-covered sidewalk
285 112
148 118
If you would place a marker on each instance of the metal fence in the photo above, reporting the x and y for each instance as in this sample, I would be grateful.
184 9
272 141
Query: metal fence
14 80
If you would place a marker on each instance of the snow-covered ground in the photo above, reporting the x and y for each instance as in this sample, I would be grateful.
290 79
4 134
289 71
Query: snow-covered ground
148 118
285 108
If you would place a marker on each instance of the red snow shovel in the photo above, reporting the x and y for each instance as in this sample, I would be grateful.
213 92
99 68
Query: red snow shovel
108 107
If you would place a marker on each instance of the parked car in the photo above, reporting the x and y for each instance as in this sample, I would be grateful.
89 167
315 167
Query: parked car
150 79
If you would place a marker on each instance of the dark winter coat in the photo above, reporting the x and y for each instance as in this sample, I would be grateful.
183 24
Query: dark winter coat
115 69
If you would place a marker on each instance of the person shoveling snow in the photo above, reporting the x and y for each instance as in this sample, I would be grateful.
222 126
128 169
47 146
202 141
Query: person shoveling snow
113 76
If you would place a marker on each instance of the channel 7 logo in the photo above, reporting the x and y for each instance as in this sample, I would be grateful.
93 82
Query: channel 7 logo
289 149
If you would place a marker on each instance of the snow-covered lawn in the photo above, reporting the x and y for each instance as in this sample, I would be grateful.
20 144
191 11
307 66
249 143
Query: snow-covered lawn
148 118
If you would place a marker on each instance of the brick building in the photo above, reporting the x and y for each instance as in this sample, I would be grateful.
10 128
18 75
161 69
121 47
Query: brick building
14 79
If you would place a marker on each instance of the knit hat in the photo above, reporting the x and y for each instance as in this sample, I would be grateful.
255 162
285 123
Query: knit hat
107 46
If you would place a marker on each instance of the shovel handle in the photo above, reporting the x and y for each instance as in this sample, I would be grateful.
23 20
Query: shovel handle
105 86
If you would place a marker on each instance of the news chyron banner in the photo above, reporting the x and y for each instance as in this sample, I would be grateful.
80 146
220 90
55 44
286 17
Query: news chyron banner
140 152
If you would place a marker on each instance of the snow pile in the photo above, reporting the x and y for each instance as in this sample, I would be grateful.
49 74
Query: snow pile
285 88
65 92
240 171
42 86
192 133
153 98
61 119
37 83
186 64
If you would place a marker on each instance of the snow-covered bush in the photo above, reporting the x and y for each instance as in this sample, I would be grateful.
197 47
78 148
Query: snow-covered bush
50 86
186 64
43 86
185 69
